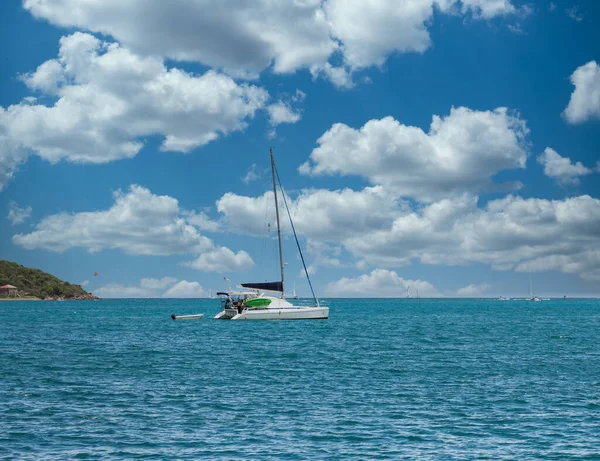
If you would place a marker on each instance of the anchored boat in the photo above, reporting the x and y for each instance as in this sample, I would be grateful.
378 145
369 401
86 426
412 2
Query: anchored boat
187 317
266 300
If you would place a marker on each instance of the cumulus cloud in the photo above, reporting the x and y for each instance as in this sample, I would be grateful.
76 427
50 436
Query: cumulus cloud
317 213
245 39
380 283
241 38
509 233
473 290
459 153
116 290
280 112
584 104
185 289
512 233
16 214
138 223
222 259
153 288
154 284
561 168
202 221
108 99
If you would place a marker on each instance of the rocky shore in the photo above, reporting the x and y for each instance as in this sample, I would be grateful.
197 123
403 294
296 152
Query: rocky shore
86 297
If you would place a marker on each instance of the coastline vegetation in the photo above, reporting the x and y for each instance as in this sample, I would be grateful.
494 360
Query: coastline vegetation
35 283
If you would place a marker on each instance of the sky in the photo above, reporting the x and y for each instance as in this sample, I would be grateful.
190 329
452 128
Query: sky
449 148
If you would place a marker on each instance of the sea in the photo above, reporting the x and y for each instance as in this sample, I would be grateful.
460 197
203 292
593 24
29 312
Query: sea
424 379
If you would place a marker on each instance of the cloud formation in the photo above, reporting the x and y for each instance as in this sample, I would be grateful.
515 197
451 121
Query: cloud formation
16 214
561 168
473 290
153 288
108 99
138 223
459 154
380 283
584 104
244 39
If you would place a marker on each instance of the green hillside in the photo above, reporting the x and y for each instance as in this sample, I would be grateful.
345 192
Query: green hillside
34 282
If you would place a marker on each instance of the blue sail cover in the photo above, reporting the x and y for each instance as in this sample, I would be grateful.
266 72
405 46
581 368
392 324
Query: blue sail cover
268 286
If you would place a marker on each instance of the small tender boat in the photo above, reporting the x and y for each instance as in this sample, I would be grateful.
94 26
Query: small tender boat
187 317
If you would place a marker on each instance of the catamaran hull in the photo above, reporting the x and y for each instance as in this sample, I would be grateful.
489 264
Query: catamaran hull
226 314
304 313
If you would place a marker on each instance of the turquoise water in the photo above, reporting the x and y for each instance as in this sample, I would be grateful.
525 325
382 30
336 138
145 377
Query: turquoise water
381 379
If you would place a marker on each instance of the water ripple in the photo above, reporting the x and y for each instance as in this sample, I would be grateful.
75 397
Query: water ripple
381 379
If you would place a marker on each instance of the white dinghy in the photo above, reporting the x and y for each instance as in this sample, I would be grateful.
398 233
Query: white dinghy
255 304
187 317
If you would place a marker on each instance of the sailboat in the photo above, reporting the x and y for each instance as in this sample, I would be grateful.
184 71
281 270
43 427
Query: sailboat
532 297
294 295
254 303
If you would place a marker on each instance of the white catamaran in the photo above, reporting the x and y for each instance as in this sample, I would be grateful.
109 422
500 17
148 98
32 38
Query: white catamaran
254 304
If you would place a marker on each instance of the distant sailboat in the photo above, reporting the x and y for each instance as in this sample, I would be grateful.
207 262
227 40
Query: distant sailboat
532 297
294 295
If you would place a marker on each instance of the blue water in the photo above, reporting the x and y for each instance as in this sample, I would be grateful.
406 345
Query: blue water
381 379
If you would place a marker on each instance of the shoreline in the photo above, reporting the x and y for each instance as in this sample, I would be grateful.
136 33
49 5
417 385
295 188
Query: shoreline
21 299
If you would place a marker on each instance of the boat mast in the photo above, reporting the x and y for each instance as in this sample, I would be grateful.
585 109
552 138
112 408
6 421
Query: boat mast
277 216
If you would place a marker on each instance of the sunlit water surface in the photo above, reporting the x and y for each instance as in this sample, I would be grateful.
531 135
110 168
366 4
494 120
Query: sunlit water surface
381 379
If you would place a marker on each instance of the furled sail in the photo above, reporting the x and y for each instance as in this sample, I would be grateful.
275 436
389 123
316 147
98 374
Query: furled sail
268 286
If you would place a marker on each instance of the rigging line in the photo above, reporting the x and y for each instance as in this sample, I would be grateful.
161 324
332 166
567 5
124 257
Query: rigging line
296 237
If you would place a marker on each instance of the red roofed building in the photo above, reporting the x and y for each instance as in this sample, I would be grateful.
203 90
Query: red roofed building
8 291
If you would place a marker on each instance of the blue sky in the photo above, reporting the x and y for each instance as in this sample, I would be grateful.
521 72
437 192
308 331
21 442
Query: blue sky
445 146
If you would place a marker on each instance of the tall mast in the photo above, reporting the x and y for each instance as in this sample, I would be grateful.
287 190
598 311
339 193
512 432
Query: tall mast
277 215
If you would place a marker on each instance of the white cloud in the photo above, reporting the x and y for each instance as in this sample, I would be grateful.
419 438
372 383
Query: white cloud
185 289
340 76
84 283
460 153
154 284
488 9
202 221
138 223
153 288
320 214
244 39
252 174
299 96
280 112
222 259
585 100
561 168
115 290
109 99
508 233
574 13
16 214
380 283
473 290
369 31
241 38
